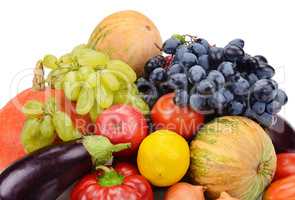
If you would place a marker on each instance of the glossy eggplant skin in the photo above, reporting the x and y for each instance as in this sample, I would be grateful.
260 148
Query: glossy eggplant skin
282 135
45 174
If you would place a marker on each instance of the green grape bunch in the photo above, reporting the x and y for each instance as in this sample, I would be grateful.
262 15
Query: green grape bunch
94 81
44 123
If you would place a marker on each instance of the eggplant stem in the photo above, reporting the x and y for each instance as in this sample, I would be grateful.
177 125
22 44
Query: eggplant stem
120 147
105 169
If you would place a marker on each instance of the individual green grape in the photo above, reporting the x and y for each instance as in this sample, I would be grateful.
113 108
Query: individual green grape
72 76
91 80
33 108
124 68
50 106
92 58
50 61
66 59
66 66
57 75
79 50
140 104
121 77
85 101
121 97
64 127
132 89
128 97
72 85
104 96
59 82
72 90
94 112
31 136
47 130
84 72
110 80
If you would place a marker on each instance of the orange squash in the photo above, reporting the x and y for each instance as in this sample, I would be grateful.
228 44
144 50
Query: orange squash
12 119
129 36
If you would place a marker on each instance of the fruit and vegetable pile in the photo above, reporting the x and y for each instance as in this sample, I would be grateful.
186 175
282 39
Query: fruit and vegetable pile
126 117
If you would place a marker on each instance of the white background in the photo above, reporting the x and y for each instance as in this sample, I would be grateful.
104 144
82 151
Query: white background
31 28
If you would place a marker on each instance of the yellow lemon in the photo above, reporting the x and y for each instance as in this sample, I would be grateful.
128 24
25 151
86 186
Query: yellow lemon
163 158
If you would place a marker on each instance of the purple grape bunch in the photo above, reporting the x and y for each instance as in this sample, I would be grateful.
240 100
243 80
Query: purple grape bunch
213 80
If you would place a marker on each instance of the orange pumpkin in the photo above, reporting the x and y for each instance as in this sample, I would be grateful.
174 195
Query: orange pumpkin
12 119
129 36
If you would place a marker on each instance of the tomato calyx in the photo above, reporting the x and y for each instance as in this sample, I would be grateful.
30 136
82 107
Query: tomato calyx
110 177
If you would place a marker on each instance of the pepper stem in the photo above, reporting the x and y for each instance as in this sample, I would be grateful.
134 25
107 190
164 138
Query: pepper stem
110 177
38 80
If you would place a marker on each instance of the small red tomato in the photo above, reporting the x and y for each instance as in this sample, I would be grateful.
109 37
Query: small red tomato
122 124
285 165
123 183
184 121
283 189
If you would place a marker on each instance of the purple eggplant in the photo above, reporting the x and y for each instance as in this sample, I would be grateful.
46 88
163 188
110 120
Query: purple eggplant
282 135
47 173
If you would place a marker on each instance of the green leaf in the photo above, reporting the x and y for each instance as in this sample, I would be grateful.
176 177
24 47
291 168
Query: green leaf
179 37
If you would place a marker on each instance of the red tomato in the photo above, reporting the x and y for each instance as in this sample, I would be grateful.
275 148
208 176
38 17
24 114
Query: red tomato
285 165
184 121
122 124
123 183
283 189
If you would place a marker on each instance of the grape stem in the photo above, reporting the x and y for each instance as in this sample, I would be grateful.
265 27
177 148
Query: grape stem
158 47
38 80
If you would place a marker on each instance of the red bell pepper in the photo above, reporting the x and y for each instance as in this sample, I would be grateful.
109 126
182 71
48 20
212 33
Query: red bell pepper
121 183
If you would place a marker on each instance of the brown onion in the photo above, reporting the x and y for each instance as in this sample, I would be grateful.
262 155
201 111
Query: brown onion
185 191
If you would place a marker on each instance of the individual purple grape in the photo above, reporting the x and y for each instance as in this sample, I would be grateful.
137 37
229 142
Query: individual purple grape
281 97
199 103
188 60
215 56
226 68
179 80
259 107
181 97
198 49
273 107
158 75
175 68
171 45
204 62
236 108
217 78
233 53
206 87
237 42
265 90
153 63
196 74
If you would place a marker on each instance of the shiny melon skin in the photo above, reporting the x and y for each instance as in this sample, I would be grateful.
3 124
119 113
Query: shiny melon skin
233 154
129 36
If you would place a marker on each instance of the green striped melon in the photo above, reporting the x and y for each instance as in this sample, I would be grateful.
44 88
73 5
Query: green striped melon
235 155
